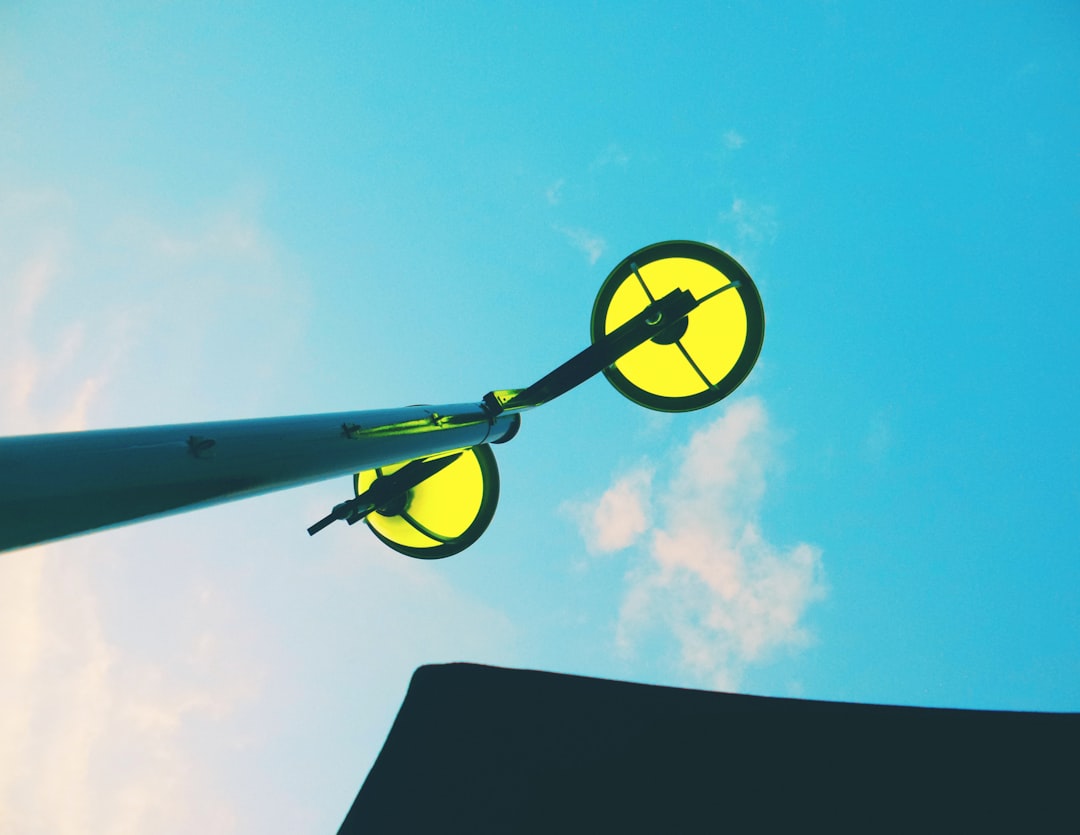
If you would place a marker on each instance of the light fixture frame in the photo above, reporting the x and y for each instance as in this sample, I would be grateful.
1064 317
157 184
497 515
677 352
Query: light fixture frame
489 473
744 286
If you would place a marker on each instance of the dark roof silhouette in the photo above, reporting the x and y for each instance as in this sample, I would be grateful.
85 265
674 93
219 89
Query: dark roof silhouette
487 750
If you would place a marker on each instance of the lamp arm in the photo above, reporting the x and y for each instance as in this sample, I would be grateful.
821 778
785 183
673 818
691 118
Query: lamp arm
385 489
662 314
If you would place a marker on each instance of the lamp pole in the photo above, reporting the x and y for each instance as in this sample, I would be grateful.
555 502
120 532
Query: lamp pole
57 485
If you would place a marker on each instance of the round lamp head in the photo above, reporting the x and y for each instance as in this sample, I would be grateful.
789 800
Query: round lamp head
444 514
699 360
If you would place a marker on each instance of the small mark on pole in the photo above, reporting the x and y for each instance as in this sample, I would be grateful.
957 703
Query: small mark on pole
200 447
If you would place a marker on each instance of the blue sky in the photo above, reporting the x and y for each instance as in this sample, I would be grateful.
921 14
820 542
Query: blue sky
212 213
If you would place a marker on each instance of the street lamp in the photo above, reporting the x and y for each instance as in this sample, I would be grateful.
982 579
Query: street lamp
676 326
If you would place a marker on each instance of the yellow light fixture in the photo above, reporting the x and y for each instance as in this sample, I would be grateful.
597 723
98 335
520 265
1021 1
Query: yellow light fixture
700 359
676 326
445 513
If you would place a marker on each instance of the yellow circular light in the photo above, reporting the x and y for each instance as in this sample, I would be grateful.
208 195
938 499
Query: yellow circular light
704 358
444 514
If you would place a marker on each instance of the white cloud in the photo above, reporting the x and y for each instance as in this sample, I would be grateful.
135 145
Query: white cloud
1026 70
613 154
710 580
877 440
175 314
44 356
92 738
619 517
588 242
754 223
229 232
733 140
553 193
217 672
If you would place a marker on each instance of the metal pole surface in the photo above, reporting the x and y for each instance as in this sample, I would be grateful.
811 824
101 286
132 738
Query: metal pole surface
58 485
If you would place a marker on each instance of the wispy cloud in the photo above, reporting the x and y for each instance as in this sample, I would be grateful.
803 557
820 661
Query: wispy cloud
613 154
231 232
708 578
877 440
733 140
588 242
46 357
85 721
753 222
554 192
114 299
619 517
